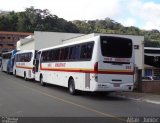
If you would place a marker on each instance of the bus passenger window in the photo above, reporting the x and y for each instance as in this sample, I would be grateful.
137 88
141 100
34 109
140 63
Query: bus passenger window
72 53
66 51
56 54
86 51
77 52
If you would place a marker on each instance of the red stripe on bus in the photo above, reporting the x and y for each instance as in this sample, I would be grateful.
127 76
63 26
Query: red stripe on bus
90 71
24 67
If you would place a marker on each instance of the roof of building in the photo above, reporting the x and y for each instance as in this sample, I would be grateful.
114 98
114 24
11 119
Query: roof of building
149 66
152 48
15 33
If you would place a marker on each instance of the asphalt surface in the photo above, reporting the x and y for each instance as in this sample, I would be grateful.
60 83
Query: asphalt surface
27 99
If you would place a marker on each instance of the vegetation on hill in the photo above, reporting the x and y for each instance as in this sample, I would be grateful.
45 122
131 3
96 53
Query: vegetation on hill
35 19
42 20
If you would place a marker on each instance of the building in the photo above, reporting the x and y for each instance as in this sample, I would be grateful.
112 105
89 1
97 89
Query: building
43 40
151 61
8 40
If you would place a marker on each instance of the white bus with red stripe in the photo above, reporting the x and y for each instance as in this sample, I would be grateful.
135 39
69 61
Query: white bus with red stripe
23 65
101 63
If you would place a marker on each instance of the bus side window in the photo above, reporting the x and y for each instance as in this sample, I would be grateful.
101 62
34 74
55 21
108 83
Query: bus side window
50 58
44 58
66 51
30 57
77 52
89 50
56 54
71 53
61 54
83 51
53 55
74 52
86 51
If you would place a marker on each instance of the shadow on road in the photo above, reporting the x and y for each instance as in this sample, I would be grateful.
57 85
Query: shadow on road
54 89
90 95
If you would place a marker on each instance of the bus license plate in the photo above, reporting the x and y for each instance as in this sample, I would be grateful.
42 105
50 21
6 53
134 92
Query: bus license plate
116 84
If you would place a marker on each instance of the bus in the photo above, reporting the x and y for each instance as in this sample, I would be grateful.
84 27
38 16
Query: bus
23 65
8 61
101 63
0 63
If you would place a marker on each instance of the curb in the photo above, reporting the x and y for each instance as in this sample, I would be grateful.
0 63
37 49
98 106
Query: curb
139 99
152 101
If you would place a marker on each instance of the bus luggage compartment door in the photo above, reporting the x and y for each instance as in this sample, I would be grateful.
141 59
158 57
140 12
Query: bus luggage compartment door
87 80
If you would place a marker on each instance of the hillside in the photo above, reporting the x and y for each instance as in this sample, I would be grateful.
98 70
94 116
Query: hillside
42 20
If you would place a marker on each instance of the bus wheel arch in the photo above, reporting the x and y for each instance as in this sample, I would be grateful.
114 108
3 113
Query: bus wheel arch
71 86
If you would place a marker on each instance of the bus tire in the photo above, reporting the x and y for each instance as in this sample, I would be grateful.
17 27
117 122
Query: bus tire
25 77
7 71
15 74
41 81
71 87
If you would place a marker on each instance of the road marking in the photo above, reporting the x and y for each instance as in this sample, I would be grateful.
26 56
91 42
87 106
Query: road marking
69 102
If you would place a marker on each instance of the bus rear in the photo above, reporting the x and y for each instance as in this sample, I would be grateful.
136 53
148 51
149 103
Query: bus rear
8 61
115 66
24 64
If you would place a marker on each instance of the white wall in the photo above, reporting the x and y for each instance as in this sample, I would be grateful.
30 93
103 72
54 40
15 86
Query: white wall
26 43
28 46
49 39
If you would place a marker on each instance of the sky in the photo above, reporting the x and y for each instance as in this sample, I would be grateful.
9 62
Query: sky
144 14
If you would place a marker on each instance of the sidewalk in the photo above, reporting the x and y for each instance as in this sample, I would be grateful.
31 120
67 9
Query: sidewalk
147 97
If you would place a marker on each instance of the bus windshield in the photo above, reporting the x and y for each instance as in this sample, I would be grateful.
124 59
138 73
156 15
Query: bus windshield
116 47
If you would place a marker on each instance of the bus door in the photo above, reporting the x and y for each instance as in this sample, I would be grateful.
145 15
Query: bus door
37 61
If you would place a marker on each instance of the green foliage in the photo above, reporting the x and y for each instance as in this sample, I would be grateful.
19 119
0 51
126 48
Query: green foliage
35 20
42 20
152 38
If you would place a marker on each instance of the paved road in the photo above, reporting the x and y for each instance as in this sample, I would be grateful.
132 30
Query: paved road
19 98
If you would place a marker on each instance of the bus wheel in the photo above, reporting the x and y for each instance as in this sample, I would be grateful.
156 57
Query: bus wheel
41 81
7 71
15 73
25 77
71 87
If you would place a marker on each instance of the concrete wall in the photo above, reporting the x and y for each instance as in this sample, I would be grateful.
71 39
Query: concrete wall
49 39
27 43
28 46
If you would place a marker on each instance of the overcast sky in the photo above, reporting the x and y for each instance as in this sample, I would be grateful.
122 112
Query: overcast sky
144 14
